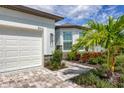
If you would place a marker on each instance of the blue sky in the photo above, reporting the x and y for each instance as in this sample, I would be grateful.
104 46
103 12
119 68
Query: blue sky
81 14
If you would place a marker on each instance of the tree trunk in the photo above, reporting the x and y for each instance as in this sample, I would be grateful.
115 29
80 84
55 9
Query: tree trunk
112 68
108 59
113 63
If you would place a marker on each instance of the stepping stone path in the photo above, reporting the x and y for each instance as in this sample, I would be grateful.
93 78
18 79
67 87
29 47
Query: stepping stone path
71 71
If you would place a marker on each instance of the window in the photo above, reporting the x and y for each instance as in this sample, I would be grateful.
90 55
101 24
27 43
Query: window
67 40
51 39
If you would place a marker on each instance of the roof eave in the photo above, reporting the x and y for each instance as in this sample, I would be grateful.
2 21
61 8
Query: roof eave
73 26
33 11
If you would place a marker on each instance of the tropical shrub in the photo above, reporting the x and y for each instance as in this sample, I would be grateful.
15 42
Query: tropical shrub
109 36
93 61
103 84
87 79
122 78
92 79
55 62
119 60
73 56
57 56
119 69
97 60
85 57
92 57
100 78
120 84
119 64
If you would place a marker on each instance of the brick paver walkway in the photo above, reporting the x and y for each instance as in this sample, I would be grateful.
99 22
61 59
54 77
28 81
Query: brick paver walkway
33 77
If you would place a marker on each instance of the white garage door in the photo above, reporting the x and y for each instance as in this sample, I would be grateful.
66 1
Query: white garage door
20 49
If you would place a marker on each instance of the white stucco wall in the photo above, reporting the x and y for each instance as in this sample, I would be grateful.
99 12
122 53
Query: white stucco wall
59 36
20 17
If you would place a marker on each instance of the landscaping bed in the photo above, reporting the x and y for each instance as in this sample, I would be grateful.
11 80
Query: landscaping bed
99 77
93 59
94 78
109 40
55 67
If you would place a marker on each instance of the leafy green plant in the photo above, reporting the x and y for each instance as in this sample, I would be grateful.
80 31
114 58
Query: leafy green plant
100 77
103 84
87 79
97 60
71 55
93 61
55 62
119 69
119 60
91 79
122 78
120 85
109 36
57 56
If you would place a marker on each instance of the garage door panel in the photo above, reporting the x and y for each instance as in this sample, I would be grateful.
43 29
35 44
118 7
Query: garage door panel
11 60
1 54
11 48
29 42
2 61
12 42
0 41
29 53
25 53
31 58
9 37
20 49
12 53
30 48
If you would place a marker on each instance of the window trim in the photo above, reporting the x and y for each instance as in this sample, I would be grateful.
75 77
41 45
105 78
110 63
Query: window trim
67 41
51 39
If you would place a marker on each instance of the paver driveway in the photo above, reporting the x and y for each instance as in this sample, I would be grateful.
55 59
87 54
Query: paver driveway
31 78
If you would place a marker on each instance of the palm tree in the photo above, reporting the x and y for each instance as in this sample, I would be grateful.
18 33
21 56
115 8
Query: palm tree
109 36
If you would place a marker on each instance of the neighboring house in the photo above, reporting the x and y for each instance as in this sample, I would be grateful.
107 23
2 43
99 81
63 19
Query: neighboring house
67 35
26 37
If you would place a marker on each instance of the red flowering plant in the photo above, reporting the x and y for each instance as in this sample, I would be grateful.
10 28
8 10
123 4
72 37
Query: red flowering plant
78 55
95 54
86 56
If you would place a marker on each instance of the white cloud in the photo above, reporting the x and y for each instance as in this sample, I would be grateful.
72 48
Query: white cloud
72 11
109 11
84 11
75 13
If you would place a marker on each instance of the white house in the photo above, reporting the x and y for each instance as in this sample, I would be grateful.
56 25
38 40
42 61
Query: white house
29 36
26 36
